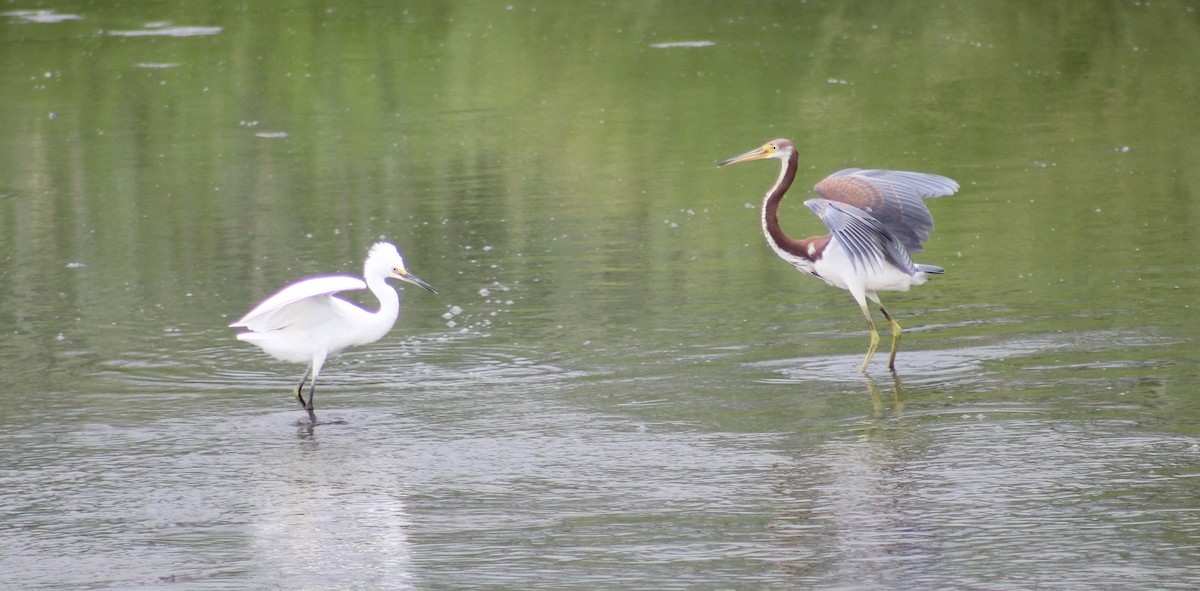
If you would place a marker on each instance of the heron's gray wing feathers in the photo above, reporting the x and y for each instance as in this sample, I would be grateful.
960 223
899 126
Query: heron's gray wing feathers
894 197
867 241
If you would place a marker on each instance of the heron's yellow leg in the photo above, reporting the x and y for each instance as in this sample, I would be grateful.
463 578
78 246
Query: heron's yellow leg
874 343
895 337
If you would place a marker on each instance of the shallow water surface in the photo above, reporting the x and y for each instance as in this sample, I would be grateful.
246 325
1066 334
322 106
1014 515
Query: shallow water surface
618 385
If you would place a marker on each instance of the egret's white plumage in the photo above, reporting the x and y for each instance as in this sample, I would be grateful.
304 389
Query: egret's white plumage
306 323
876 220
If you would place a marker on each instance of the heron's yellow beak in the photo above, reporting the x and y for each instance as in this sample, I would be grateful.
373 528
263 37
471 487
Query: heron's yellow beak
761 153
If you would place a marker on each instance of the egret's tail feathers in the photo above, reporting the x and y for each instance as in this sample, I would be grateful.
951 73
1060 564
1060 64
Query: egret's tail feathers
930 269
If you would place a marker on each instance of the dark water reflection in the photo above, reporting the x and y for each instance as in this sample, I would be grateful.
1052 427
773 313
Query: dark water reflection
618 386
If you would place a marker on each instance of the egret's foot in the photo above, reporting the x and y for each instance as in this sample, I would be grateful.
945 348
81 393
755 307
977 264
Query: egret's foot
312 393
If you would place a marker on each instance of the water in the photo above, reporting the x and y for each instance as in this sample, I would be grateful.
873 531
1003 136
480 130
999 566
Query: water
618 385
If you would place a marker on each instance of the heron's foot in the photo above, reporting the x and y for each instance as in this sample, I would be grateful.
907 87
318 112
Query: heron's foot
895 338
870 350
895 347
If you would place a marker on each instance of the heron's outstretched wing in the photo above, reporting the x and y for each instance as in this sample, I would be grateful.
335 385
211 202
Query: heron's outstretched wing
866 240
276 311
891 196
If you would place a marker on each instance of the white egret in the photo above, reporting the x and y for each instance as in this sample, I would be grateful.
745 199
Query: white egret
305 323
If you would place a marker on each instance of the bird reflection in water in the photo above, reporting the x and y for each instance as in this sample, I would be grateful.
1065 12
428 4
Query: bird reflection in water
877 398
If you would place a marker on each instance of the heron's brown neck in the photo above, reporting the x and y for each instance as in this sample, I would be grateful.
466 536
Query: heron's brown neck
809 249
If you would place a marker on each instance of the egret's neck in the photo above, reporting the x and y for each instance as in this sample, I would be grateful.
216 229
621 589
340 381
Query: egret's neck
389 303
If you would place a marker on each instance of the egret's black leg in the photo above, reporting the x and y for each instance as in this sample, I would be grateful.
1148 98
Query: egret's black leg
312 393
317 362
300 387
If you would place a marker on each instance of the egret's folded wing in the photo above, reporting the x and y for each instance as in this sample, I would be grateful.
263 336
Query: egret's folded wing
268 315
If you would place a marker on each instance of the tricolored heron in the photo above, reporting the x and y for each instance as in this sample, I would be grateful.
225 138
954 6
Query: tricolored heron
876 221
305 323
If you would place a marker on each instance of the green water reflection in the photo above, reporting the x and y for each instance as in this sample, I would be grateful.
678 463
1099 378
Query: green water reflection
550 167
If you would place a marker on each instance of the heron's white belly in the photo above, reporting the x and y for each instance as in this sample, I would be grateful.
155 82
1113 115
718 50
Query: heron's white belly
834 267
